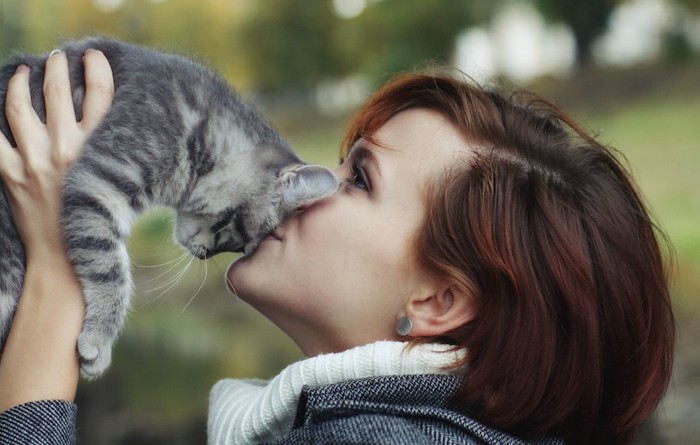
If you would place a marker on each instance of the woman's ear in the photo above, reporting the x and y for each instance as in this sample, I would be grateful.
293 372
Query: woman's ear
440 311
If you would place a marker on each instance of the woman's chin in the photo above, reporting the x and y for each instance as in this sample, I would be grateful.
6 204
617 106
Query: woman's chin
233 273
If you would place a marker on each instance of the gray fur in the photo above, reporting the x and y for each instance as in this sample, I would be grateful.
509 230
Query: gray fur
175 136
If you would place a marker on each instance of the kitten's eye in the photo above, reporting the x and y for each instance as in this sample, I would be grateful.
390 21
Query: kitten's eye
359 177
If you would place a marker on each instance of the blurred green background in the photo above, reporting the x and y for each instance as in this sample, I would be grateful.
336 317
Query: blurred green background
629 69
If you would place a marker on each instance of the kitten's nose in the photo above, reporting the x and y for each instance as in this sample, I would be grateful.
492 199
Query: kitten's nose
199 252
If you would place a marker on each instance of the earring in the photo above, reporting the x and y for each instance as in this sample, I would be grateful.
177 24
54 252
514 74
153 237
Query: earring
404 326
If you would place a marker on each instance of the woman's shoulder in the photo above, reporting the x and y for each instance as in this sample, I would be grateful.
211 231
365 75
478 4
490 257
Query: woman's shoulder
412 409
46 421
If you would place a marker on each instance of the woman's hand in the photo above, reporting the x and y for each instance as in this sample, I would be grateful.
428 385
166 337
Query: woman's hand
40 361
33 173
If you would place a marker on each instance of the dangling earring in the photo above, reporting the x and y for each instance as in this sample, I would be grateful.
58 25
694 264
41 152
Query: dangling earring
404 326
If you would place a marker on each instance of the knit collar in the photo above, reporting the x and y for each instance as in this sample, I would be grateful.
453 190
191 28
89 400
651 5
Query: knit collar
257 411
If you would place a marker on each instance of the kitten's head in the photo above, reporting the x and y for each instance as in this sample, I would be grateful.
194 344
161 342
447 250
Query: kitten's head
234 208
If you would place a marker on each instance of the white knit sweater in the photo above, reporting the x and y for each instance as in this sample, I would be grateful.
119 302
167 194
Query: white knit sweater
255 411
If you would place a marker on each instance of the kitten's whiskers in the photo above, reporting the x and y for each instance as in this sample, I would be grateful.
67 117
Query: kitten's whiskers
206 268
151 266
170 283
134 257
230 288
175 263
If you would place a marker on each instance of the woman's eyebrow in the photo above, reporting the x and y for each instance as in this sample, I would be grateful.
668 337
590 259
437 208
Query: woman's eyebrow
362 154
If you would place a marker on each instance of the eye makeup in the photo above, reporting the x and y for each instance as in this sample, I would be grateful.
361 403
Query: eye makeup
364 158
359 176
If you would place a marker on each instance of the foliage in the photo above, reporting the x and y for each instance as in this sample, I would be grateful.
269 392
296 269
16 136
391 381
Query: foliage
289 44
296 43
11 26
692 5
587 19
203 28
398 35
277 46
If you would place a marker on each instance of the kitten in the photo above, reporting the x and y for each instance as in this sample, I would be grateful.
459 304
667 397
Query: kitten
176 136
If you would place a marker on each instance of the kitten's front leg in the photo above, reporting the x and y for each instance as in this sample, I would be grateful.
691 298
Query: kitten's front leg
96 243
11 268
107 302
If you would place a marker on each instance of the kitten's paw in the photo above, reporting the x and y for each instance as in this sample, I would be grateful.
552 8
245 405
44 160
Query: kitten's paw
95 356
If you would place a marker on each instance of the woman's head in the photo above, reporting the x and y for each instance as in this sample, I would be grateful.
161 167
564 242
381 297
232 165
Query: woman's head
495 223
543 229
341 272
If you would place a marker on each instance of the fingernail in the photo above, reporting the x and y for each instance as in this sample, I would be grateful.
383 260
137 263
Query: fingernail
90 51
22 69
54 52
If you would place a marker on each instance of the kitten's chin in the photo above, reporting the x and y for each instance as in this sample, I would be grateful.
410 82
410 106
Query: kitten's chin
204 253
250 248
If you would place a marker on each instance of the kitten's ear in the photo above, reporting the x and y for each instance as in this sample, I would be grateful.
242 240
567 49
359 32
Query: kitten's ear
301 185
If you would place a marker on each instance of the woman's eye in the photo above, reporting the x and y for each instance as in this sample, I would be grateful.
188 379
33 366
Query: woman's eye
359 177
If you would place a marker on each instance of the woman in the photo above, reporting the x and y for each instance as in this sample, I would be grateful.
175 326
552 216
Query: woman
486 273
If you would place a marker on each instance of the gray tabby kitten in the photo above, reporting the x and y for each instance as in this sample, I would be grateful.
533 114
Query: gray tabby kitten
176 136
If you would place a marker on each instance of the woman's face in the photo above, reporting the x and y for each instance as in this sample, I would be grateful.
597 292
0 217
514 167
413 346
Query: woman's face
339 273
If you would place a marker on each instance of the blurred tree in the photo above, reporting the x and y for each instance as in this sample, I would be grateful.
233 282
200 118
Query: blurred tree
11 26
677 39
289 44
692 5
204 29
587 19
296 43
400 35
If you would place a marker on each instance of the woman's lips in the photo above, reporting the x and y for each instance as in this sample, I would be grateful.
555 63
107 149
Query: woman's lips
273 236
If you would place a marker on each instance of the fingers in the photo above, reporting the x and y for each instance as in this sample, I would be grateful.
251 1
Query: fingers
18 108
99 86
54 146
10 161
57 94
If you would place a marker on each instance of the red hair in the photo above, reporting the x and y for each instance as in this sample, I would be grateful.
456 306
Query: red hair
544 229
